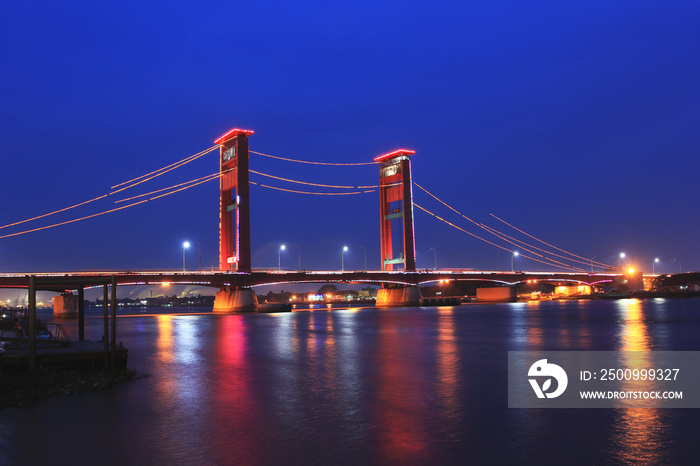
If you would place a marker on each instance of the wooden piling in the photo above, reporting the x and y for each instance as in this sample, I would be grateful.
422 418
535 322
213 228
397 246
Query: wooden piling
32 323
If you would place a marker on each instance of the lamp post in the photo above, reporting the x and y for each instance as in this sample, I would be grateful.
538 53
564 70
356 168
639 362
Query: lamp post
592 263
200 255
515 254
279 257
653 266
365 251
185 245
619 261
342 259
435 252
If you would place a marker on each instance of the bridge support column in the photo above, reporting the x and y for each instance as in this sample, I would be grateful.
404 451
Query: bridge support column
496 294
401 296
240 300
65 305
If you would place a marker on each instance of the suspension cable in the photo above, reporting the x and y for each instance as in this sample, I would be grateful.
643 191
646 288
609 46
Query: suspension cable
183 161
312 163
157 173
497 233
54 212
489 242
524 245
505 237
163 171
308 192
550 245
203 179
312 184
74 220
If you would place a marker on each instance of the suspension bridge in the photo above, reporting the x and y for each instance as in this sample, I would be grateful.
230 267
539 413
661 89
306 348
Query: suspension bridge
236 277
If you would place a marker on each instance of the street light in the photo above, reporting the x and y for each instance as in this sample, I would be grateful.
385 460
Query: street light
365 251
200 255
619 261
279 257
435 251
185 245
342 259
653 265
515 254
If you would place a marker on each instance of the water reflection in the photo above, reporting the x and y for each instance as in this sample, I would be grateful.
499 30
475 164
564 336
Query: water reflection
633 331
399 407
390 386
640 434
448 366
176 345
235 410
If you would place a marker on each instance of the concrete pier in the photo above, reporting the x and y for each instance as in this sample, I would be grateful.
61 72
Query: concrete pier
496 294
65 305
400 296
240 300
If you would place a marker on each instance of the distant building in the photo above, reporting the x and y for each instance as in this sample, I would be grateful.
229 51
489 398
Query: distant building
367 293
678 283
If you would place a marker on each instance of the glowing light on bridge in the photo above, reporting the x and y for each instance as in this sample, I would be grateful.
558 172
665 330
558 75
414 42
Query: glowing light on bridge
232 134
396 153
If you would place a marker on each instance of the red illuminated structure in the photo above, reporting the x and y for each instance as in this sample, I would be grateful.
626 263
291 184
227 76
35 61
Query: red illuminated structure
235 201
396 202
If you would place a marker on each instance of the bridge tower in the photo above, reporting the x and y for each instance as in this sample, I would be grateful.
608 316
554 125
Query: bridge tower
396 203
234 215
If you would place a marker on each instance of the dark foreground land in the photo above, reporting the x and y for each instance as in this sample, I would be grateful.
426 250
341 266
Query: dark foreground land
24 388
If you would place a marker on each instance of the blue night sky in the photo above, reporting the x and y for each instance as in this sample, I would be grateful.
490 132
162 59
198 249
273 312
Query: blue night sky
574 121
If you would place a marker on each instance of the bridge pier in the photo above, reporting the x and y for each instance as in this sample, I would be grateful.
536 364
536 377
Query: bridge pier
235 300
65 305
499 294
399 296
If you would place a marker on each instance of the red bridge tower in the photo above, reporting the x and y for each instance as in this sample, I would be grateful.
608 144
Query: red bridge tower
396 202
235 201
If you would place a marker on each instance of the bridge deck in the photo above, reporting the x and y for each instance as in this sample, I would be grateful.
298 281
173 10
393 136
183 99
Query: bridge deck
72 281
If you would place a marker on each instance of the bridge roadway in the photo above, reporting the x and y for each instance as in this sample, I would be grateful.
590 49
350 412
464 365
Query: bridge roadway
71 281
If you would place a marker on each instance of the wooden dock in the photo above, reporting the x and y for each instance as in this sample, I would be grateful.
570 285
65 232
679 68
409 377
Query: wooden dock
79 355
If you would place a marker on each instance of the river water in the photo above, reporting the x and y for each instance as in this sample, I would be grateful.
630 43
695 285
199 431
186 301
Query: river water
359 386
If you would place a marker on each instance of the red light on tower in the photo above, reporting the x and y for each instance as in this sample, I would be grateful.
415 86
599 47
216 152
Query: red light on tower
232 134
234 243
396 153
396 202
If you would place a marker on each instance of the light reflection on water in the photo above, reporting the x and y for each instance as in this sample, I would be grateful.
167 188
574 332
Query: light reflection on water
360 386
638 435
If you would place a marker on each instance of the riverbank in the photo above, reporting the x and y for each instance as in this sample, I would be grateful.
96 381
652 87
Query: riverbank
25 388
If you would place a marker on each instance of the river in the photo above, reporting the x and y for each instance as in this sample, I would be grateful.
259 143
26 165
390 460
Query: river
359 386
